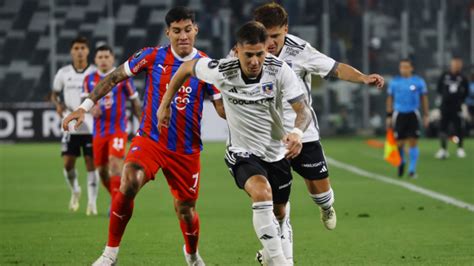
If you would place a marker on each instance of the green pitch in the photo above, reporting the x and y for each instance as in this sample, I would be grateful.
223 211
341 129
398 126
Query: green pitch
378 223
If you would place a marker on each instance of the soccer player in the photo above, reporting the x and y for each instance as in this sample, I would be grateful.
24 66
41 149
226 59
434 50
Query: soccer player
305 61
110 121
254 86
453 87
68 86
175 150
405 93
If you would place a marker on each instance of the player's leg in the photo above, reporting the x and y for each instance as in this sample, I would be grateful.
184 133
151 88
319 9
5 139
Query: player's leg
400 132
282 213
182 173
311 165
116 152
92 176
140 166
413 133
459 129
101 153
442 153
70 150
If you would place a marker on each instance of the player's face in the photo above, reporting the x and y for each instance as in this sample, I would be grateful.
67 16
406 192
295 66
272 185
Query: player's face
456 65
182 35
406 69
276 39
251 58
79 52
104 61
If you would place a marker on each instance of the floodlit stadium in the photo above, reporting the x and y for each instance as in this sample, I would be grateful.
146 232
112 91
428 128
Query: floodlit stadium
360 113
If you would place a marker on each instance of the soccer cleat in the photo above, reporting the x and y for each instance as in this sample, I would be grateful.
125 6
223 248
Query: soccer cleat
91 209
413 175
193 259
442 154
105 261
328 217
461 153
74 202
401 169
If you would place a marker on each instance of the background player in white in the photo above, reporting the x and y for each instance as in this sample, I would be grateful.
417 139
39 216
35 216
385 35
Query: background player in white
305 61
254 86
68 81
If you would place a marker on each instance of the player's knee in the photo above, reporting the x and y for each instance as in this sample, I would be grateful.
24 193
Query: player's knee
130 183
258 188
185 212
115 166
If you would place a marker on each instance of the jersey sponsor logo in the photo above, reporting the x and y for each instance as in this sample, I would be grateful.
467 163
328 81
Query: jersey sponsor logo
271 70
182 98
213 64
246 102
312 165
139 64
231 74
267 88
292 51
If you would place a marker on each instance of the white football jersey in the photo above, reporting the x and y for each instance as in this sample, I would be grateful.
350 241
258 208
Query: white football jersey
305 60
254 108
70 82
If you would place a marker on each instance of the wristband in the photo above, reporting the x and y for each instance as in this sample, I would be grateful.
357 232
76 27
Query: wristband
389 114
297 131
87 104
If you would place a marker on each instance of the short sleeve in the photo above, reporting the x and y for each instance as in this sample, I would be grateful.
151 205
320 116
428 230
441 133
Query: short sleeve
140 61
212 91
130 89
58 83
207 70
391 87
318 63
423 87
86 86
290 85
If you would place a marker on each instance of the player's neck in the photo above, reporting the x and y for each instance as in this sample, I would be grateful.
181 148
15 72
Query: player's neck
184 57
104 72
80 66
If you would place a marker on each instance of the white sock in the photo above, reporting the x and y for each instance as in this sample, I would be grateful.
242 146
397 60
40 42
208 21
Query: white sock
92 186
268 230
324 200
71 179
111 252
287 234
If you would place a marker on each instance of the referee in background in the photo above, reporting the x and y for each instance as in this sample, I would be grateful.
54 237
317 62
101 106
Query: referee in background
453 88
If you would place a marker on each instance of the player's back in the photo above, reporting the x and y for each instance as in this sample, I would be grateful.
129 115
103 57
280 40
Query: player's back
159 65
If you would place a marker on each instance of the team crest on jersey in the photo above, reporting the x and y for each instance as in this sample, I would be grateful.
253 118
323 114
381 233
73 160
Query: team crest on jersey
213 64
267 88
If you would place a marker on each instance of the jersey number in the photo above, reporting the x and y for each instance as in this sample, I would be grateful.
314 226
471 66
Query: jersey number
196 180
118 144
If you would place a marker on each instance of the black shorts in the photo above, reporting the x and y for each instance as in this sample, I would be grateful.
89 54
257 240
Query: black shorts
454 118
311 162
242 166
71 144
406 125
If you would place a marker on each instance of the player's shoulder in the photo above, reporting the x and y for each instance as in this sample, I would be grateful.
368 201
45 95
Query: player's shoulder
418 78
147 50
226 64
201 54
295 42
271 60
65 69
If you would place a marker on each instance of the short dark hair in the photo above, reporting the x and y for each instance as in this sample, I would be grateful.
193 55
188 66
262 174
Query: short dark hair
79 39
252 32
408 60
104 47
179 13
271 15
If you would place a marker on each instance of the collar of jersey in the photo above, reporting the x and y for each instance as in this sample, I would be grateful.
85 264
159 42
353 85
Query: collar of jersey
186 58
105 74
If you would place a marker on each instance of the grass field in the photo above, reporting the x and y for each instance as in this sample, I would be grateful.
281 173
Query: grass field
378 223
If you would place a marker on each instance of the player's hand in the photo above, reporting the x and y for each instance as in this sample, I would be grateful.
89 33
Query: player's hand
374 80
388 123
77 116
60 108
293 145
426 121
96 111
164 116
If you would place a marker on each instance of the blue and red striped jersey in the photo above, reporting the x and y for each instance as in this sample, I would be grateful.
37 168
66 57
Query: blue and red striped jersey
184 132
113 118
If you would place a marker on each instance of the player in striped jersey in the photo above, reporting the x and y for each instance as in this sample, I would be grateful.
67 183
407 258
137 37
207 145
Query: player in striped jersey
175 150
110 121
254 86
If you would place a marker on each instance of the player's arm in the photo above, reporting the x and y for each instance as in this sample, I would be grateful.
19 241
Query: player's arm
101 89
302 121
55 99
182 74
351 74
426 109
219 106
136 108
389 110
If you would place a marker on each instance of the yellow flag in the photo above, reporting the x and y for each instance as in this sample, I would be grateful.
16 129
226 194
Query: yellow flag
391 153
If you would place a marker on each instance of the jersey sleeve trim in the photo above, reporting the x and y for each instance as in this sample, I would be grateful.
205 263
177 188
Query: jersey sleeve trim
332 72
126 66
298 98
216 96
133 96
